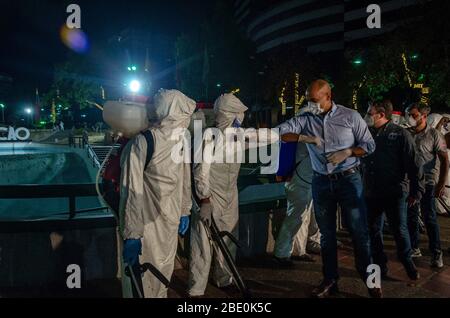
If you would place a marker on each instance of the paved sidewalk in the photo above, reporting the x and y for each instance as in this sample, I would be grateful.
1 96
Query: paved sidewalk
266 280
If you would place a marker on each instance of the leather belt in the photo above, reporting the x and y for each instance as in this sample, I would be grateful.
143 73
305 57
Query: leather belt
338 175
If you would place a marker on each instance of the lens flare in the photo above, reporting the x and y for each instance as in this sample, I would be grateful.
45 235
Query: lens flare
75 39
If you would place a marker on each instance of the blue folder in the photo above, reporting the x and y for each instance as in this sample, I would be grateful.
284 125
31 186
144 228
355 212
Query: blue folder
286 161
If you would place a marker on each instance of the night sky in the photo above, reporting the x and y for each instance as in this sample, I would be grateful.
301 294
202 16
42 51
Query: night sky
31 45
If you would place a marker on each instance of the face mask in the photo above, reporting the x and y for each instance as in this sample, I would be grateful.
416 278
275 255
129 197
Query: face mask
369 120
236 123
411 121
315 108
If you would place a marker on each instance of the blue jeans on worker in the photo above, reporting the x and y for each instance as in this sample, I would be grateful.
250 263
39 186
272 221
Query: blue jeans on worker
347 191
396 211
428 209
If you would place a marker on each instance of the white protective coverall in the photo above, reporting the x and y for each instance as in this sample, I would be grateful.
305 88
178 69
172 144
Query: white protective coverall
299 225
154 199
218 182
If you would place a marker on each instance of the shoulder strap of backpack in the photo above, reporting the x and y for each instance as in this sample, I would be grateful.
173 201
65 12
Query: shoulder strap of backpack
150 146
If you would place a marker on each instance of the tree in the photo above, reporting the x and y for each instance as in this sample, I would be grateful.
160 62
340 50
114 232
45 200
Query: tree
417 52
72 88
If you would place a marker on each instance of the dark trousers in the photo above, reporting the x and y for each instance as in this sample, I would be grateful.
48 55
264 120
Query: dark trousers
347 191
428 209
396 210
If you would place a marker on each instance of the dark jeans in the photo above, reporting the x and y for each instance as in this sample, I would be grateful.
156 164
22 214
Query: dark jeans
347 191
396 211
428 208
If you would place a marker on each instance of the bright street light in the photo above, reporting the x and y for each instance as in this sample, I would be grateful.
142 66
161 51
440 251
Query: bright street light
135 86
28 110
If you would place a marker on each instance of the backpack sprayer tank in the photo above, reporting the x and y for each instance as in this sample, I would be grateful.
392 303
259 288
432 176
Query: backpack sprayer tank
126 119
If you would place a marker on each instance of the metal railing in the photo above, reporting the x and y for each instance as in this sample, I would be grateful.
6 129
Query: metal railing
70 191
93 156
76 141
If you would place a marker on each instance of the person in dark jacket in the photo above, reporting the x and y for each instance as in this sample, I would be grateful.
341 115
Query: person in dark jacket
393 181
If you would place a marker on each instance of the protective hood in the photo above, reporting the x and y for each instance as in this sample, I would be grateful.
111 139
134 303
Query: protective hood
227 108
433 119
170 109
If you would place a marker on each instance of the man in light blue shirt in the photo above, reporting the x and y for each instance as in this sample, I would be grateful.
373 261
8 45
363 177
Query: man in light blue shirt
339 129
341 138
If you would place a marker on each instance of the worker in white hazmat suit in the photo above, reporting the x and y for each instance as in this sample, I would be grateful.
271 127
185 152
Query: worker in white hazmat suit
216 188
155 199
299 226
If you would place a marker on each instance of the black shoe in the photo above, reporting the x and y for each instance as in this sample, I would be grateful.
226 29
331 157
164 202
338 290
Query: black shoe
412 272
284 262
313 248
325 289
375 292
436 260
414 275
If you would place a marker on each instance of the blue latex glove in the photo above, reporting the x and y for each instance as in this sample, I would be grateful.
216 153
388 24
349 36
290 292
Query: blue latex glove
184 225
132 248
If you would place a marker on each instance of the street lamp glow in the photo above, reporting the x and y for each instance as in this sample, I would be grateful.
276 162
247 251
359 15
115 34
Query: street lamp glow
2 105
28 110
135 86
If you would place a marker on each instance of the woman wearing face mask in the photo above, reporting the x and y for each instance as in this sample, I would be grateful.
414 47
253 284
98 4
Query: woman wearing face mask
386 188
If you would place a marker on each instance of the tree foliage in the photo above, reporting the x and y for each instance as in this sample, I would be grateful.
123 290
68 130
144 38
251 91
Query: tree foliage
425 43
72 87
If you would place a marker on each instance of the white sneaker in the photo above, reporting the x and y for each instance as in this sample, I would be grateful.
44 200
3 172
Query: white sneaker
416 253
